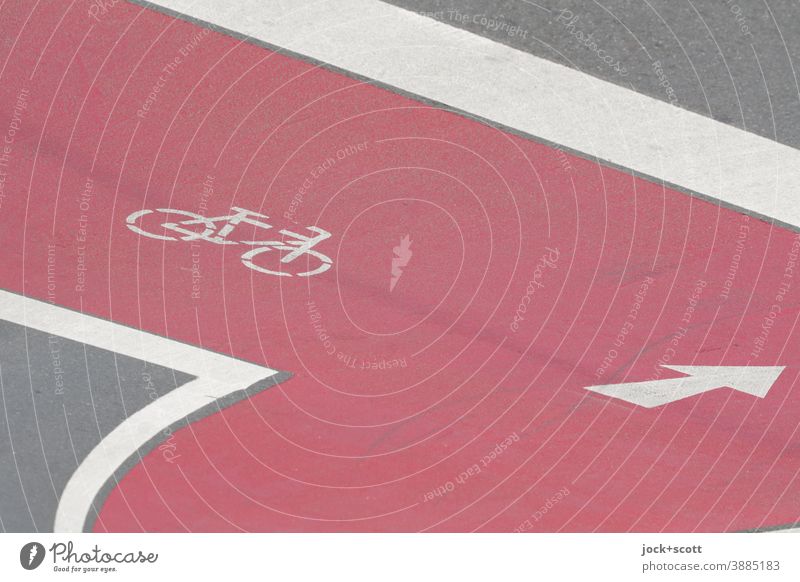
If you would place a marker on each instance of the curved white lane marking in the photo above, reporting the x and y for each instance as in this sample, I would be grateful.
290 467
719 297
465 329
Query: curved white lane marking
127 438
217 376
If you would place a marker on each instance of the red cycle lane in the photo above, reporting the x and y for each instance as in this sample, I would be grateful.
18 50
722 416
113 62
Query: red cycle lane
465 288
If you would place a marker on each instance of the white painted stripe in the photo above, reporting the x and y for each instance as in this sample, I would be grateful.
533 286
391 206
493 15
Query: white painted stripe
121 339
519 90
217 376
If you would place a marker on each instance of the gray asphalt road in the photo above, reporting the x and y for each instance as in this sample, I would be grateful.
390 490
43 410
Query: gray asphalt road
733 60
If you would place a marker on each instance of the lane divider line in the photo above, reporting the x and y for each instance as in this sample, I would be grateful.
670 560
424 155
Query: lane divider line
528 94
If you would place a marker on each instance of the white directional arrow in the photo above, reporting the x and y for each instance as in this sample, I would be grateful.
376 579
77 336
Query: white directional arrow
755 380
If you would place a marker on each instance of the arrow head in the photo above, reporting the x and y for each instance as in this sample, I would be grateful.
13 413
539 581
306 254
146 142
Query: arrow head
755 380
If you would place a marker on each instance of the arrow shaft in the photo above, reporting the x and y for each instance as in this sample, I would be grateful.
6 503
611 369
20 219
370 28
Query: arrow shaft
658 392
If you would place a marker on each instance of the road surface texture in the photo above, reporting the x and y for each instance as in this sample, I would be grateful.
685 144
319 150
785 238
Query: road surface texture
368 266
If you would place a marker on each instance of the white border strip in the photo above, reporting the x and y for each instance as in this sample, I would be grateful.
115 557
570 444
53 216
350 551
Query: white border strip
518 90
217 377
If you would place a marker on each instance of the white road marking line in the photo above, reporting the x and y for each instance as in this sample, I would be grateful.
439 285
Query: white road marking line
753 380
521 91
217 376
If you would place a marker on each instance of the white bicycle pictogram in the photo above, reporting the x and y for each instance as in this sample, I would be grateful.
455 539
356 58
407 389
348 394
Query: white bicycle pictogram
197 227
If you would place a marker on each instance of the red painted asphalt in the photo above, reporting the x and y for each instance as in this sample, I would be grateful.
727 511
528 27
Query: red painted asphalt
455 401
